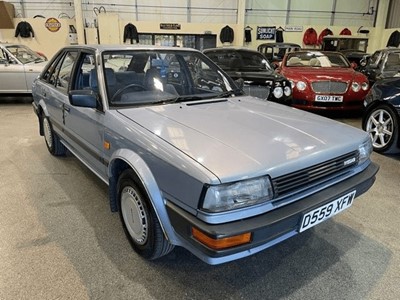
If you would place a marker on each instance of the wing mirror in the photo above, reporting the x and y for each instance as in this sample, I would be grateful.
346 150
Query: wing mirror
84 98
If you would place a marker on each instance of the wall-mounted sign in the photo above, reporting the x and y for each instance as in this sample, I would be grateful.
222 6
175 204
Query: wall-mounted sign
294 28
170 26
266 33
52 24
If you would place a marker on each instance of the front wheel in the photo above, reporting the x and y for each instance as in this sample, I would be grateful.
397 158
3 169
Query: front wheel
139 220
53 142
382 125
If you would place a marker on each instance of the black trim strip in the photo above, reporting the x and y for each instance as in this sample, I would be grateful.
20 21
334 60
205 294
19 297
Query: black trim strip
92 153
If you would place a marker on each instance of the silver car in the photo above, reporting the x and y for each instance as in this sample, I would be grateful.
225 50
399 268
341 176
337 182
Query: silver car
19 66
189 159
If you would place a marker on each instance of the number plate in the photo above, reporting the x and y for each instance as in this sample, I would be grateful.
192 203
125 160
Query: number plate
326 211
327 98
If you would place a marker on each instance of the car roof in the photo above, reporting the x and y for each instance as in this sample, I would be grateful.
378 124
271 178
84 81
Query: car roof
280 45
116 47
233 48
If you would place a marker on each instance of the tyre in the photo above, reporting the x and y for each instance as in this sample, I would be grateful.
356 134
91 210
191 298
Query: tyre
139 220
382 124
53 142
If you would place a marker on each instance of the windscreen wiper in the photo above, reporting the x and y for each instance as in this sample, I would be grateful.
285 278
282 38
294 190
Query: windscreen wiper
235 92
187 98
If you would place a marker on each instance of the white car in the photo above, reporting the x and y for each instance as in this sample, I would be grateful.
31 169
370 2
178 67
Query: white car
19 66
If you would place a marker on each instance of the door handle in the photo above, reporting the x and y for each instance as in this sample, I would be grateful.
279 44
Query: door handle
67 109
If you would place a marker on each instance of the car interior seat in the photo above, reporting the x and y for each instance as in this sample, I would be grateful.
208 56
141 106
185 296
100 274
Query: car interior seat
314 62
111 82
93 80
294 61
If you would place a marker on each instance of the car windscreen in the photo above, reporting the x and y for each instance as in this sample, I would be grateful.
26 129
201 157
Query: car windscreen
317 59
162 76
24 54
240 60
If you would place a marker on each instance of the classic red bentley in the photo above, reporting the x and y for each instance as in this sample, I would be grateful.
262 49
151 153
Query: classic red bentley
324 81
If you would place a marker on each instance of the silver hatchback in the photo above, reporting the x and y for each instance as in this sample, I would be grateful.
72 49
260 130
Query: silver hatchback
189 159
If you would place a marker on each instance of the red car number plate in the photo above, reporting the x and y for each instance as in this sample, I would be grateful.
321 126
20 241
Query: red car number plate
328 98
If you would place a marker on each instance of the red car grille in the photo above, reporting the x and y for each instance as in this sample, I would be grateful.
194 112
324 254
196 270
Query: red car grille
329 87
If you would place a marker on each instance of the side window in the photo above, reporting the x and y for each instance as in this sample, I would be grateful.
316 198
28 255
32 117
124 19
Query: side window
59 72
205 78
65 70
86 77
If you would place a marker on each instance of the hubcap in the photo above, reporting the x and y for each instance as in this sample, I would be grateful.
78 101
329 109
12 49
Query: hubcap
380 127
47 133
134 215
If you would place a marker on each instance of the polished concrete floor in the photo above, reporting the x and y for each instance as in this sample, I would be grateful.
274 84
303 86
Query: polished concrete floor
59 240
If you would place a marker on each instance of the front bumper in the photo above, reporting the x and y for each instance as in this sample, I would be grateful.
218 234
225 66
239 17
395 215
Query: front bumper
267 229
356 105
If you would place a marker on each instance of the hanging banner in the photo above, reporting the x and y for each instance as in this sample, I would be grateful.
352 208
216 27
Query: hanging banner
266 32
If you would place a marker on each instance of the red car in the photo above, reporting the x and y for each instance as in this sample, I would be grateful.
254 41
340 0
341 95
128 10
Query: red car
324 81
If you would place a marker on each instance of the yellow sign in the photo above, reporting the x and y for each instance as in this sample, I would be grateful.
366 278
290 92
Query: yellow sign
52 24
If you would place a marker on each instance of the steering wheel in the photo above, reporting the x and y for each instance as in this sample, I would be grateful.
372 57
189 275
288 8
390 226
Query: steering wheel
137 87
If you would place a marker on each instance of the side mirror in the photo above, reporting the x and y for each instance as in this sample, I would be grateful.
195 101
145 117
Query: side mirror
84 98
353 65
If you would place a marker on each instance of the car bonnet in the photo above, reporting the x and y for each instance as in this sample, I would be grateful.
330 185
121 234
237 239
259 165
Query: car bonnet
320 73
241 136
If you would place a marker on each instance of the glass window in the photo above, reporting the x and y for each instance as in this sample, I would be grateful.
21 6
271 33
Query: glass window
24 54
65 70
146 77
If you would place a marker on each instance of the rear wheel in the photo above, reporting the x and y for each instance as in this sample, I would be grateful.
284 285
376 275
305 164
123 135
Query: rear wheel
53 142
139 220
382 124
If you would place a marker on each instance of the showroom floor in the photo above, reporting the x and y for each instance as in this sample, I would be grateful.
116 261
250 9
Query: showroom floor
59 240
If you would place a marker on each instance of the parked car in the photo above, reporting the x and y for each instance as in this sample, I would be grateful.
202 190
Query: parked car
189 159
382 63
276 51
19 66
353 47
260 79
382 115
324 81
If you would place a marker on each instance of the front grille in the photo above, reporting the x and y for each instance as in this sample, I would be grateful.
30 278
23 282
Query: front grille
304 178
329 87
260 91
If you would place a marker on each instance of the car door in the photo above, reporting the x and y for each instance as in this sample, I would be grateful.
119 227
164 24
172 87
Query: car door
12 74
83 125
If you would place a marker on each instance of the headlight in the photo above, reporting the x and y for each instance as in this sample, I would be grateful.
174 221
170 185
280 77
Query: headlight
287 91
355 86
301 85
239 194
364 86
364 150
278 92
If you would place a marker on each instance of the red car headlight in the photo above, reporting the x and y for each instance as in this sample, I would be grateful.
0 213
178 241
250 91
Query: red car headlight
301 85
355 86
